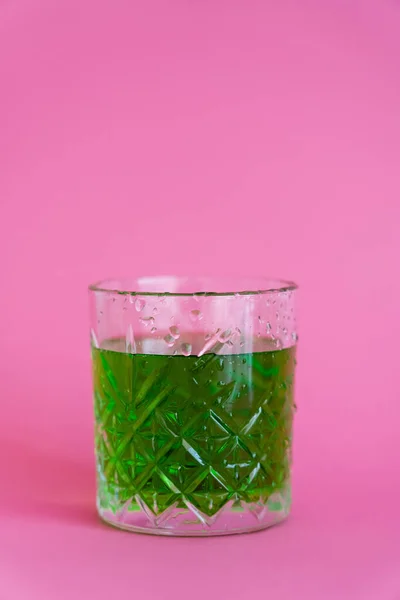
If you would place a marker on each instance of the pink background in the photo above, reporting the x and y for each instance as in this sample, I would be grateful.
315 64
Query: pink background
224 136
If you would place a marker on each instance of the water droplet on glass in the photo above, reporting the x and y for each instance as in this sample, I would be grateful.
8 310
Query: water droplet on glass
224 336
139 304
195 315
147 321
132 299
229 343
153 329
295 337
285 331
155 310
186 349
268 327
211 340
169 340
130 344
174 331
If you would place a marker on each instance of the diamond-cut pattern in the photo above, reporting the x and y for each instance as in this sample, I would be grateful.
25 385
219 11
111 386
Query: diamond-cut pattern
196 435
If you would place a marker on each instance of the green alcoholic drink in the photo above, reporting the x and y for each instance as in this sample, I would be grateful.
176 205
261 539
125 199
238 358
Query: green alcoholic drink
191 435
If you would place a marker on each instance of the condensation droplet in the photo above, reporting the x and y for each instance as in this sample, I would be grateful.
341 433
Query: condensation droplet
130 344
155 310
268 327
132 299
225 336
285 331
195 315
147 321
295 337
153 329
186 349
211 340
174 331
139 304
169 340
229 343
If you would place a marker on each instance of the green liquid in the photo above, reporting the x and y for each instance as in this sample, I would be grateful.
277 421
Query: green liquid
172 430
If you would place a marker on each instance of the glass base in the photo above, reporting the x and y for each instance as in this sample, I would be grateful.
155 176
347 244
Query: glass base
176 521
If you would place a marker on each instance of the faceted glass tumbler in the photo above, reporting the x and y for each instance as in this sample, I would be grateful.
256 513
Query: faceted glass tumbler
193 398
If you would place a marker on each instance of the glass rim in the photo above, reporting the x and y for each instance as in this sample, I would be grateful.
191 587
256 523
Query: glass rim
270 286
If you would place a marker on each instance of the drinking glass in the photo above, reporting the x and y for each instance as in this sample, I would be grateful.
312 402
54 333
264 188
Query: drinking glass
193 399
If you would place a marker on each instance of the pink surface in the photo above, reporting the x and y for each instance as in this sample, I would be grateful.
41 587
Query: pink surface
201 137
